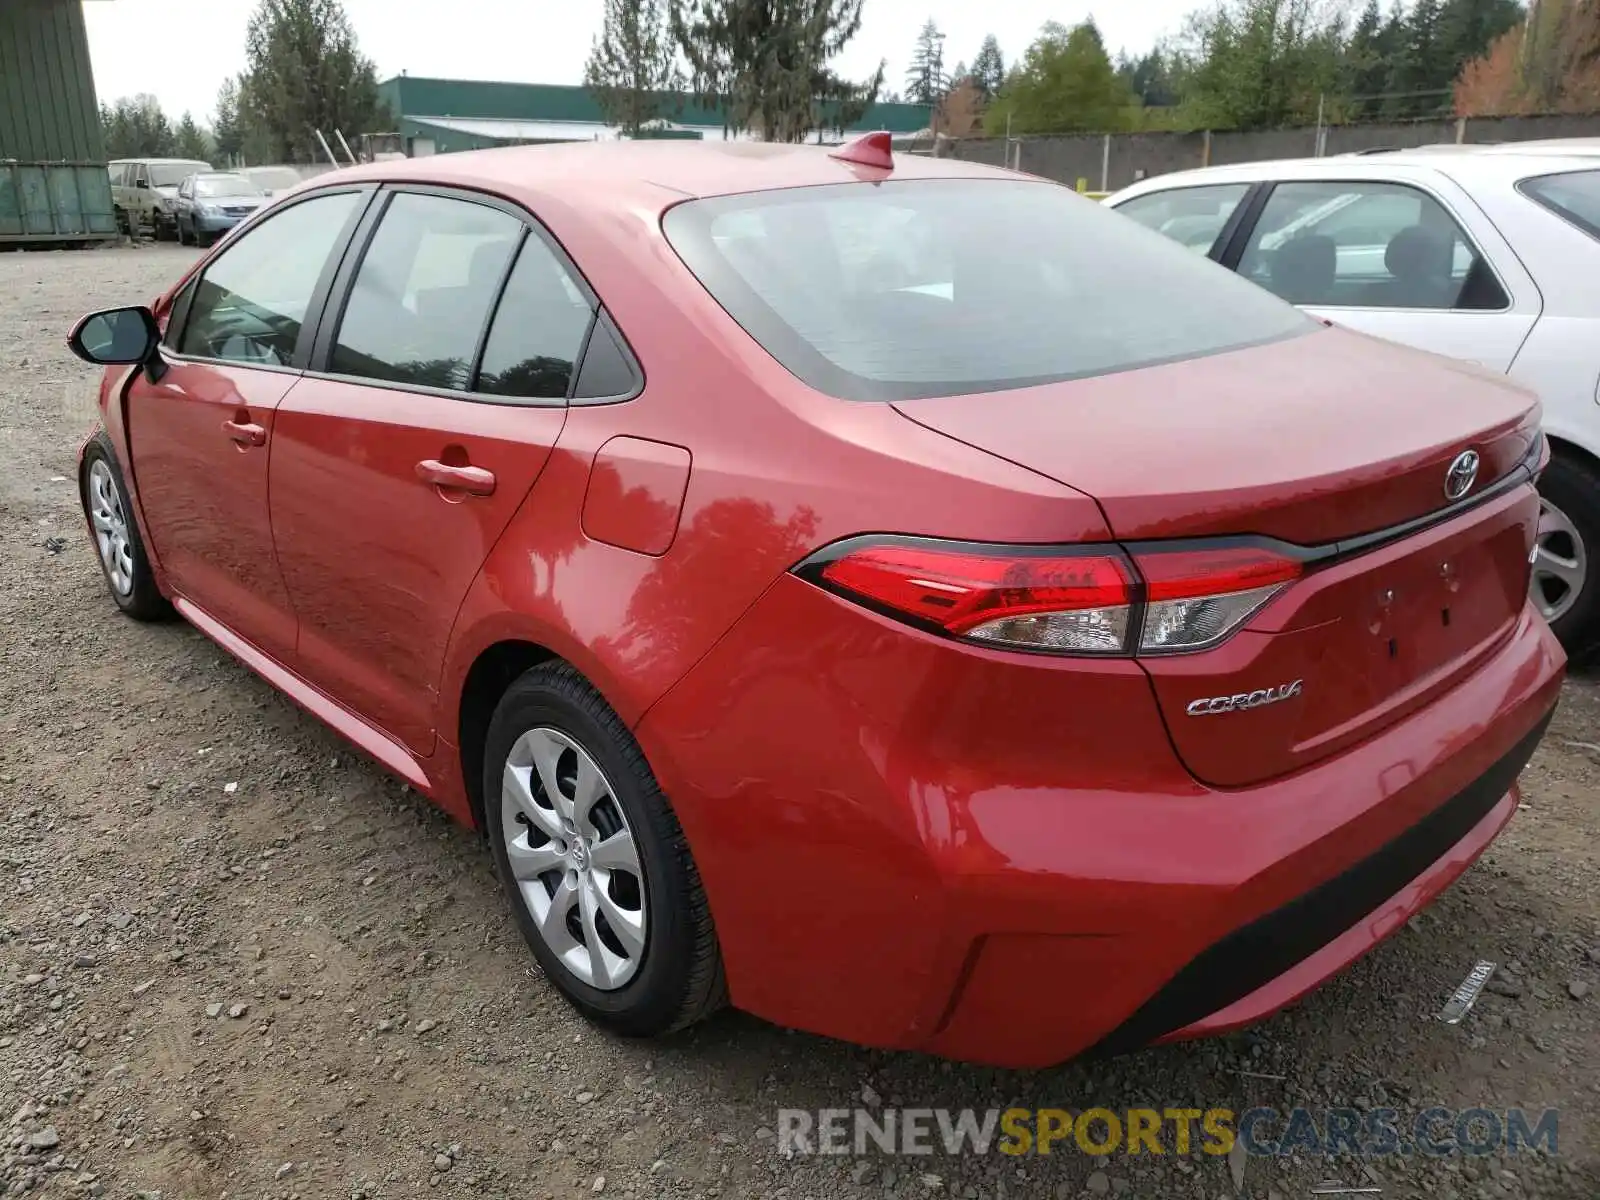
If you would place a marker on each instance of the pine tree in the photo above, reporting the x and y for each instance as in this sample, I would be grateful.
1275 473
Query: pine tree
226 129
192 141
1366 69
989 68
765 65
633 68
1065 82
925 78
305 73
137 127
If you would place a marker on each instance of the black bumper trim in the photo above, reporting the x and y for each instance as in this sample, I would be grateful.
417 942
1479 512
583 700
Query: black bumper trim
1255 954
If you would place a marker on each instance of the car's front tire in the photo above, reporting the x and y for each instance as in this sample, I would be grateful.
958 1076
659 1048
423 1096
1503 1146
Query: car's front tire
116 535
591 856
1567 558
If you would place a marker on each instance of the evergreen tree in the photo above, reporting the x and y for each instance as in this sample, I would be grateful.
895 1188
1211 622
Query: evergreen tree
633 68
226 127
989 68
1260 64
1066 82
926 82
305 73
1150 78
136 127
765 65
191 140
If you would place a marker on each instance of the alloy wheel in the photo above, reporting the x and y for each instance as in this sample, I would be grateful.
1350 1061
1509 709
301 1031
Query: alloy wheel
110 521
574 858
1560 563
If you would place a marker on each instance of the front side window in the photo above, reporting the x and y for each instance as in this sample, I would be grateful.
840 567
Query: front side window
947 287
1191 216
1366 245
1574 197
421 299
252 301
538 330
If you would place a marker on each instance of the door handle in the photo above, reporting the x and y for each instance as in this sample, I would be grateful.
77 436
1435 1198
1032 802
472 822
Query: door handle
474 480
246 433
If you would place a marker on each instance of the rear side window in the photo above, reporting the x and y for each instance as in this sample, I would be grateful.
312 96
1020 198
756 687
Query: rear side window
538 329
1367 244
1193 217
420 301
1574 197
947 287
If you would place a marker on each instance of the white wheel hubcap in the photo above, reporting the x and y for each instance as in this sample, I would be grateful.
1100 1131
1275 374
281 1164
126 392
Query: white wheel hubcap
574 858
110 521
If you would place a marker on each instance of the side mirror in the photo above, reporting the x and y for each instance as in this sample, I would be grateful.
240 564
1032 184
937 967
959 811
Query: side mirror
116 337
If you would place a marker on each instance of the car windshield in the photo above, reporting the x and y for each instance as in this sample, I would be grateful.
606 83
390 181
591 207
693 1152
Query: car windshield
1574 196
172 174
948 287
225 185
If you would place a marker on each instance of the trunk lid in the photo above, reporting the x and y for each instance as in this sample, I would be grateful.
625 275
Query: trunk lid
1314 441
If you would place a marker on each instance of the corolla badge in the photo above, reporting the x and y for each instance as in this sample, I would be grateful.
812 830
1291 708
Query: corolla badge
1463 473
1213 706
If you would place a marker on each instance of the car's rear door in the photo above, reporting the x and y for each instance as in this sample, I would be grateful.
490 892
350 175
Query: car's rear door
1405 256
438 387
201 433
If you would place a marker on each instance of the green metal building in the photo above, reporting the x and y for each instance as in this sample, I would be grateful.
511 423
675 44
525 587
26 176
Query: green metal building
53 182
440 116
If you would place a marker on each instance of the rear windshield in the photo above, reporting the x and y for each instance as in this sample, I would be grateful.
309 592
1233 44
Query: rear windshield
225 185
1574 196
946 287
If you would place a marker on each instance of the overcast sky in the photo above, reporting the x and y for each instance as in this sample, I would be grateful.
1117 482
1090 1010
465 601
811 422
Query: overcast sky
181 50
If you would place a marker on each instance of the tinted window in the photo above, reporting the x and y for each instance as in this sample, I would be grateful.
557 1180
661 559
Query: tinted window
538 329
1574 197
252 300
926 288
1366 245
420 301
1191 216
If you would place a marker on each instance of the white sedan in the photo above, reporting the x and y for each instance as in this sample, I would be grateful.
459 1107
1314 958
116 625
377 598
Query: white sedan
1485 254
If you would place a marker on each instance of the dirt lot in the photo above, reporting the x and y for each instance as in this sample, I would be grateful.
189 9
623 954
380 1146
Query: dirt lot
238 960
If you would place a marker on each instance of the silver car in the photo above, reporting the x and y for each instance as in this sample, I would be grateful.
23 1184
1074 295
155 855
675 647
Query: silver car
210 204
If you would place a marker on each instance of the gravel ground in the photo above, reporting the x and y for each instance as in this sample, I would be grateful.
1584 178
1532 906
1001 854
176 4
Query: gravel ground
238 960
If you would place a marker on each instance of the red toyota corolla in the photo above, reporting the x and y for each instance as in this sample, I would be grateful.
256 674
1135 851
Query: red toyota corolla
901 598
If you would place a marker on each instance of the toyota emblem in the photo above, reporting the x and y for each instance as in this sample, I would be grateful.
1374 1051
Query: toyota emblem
1463 473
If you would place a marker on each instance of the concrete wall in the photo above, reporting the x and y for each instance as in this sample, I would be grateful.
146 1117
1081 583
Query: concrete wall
1068 158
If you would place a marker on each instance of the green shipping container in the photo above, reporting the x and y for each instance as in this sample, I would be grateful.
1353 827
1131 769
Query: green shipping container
55 202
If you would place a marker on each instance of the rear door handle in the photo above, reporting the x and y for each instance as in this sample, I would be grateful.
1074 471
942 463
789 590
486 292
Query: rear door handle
474 480
246 433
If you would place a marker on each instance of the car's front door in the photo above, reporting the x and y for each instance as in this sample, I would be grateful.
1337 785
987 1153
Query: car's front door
1412 262
431 407
201 434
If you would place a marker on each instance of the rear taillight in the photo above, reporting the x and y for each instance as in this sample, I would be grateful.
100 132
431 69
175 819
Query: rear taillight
1103 600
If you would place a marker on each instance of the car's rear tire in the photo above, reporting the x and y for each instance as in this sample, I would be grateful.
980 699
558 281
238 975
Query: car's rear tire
1565 569
117 543
599 874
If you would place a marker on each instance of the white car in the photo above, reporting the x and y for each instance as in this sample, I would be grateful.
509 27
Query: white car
1484 254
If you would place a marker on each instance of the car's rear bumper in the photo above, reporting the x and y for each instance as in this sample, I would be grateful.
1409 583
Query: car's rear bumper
910 842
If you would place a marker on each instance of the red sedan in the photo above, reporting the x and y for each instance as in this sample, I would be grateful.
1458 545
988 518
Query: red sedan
900 598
